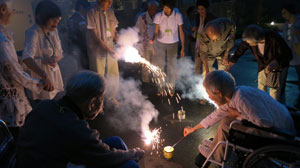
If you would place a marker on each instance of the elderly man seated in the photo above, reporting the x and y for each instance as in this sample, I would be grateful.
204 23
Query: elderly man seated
238 102
56 132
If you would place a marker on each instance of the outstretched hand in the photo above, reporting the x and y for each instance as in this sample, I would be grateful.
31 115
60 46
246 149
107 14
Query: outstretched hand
139 153
187 131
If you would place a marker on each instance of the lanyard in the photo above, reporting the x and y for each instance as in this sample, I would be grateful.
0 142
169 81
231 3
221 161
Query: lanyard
51 44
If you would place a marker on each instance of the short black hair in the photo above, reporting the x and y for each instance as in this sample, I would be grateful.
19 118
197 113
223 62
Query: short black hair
46 10
291 8
169 3
204 3
190 9
83 3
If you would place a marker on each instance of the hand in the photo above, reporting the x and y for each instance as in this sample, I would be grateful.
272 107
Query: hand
47 84
114 54
194 28
182 53
139 153
273 66
228 67
233 112
225 62
49 61
187 131
151 42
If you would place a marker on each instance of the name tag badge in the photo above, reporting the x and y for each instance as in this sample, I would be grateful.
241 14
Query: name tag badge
108 32
198 35
168 32
150 26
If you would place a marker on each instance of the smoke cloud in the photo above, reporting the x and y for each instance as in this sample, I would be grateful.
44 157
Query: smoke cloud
190 84
135 111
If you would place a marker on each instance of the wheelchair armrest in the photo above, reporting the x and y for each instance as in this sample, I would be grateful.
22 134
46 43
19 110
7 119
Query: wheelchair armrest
271 130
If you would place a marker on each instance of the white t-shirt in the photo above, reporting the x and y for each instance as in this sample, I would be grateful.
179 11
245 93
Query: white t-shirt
168 26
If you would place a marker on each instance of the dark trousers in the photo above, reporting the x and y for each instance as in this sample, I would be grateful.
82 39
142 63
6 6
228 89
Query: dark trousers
118 143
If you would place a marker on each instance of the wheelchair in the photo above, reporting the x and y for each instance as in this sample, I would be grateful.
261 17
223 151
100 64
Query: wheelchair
275 149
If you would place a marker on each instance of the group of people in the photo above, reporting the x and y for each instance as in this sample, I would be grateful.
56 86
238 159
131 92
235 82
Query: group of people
164 36
54 133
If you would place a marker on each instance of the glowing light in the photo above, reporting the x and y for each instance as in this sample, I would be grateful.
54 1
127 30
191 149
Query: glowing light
153 137
131 54
168 149
272 23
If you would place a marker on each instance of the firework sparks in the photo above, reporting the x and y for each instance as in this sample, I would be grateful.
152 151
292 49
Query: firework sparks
153 137
131 54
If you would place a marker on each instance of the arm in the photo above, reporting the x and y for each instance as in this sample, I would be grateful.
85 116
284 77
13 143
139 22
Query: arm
29 52
86 148
203 50
100 41
156 30
92 31
12 70
208 121
283 54
182 41
243 47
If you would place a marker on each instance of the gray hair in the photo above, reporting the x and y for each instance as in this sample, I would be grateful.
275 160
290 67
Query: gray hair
253 33
220 80
84 86
152 2
214 28
5 2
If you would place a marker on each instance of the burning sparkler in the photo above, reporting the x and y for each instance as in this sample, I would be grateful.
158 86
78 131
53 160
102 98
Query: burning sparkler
153 137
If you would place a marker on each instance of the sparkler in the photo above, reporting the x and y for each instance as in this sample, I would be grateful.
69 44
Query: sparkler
153 137
131 54
178 141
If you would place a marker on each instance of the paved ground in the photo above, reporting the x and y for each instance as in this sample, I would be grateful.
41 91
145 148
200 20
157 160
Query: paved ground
245 72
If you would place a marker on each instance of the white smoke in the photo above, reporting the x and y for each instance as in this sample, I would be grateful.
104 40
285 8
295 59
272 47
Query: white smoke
135 111
190 84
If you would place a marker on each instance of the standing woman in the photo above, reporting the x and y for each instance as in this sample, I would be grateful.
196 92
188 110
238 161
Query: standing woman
201 20
43 48
14 105
291 35
168 24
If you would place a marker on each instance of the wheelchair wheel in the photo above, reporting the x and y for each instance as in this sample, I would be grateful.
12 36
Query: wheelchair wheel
277 156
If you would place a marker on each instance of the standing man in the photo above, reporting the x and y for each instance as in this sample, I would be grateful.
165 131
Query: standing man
147 27
271 53
202 19
167 25
101 25
215 42
77 31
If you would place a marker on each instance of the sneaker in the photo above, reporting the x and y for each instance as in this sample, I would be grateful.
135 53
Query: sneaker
205 151
207 142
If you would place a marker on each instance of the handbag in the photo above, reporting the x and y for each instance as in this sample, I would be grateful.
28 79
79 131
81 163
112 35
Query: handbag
273 79
297 48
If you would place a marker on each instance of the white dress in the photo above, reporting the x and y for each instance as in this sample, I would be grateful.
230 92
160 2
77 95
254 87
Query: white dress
38 47
14 105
